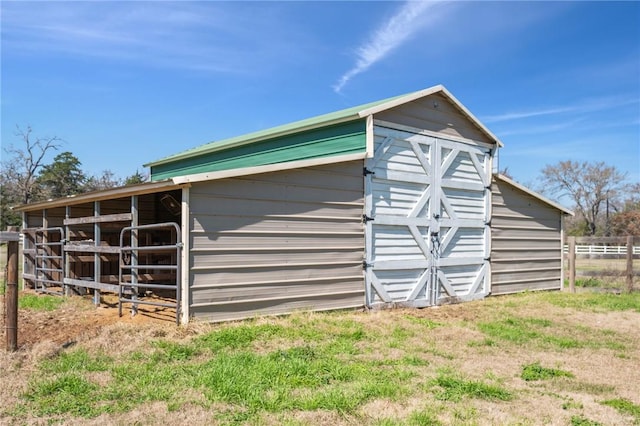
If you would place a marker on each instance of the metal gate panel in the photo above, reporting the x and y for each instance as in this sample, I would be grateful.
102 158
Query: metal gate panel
130 257
425 217
45 247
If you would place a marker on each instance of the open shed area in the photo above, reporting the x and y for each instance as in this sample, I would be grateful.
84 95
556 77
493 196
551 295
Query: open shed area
125 241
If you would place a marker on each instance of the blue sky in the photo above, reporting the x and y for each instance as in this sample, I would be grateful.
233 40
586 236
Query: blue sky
124 83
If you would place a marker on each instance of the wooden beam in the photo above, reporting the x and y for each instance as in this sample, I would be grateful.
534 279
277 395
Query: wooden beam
601 240
11 297
9 236
75 258
86 248
142 277
92 284
120 217
607 273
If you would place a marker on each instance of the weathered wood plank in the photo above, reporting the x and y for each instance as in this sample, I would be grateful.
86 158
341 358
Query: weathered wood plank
91 249
91 284
601 240
606 273
9 236
142 277
120 217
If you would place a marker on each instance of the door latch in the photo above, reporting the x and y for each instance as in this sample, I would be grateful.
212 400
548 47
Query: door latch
366 218
367 172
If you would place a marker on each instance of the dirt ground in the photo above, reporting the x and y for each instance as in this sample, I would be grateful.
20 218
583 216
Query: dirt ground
79 320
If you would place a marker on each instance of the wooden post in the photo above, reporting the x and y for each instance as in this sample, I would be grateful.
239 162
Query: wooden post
97 260
629 263
11 297
572 264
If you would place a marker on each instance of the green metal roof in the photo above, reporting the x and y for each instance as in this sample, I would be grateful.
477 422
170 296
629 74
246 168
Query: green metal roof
336 117
320 142
309 124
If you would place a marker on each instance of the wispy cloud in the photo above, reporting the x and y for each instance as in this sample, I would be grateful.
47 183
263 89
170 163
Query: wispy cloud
207 36
408 20
590 105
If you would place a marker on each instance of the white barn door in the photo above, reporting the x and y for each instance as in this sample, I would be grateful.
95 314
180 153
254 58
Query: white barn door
426 214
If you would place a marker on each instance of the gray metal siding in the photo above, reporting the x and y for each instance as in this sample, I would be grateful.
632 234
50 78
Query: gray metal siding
277 242
525 242
437 114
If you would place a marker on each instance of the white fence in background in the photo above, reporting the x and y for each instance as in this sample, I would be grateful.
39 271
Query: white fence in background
602 250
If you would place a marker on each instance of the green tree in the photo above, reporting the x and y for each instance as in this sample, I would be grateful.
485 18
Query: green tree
589 185
62 177
135 178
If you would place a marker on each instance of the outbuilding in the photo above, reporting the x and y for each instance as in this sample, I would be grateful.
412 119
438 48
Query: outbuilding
384 204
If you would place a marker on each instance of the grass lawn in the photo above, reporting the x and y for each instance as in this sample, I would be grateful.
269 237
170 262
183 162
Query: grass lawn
533 358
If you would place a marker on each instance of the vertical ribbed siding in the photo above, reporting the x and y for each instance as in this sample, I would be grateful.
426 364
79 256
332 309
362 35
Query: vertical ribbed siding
341 139
526 242
277 242
437 114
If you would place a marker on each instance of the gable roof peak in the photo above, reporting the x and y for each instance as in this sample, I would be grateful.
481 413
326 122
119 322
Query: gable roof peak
332 118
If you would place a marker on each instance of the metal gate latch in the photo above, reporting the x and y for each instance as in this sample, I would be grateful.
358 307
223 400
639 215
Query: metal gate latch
366 218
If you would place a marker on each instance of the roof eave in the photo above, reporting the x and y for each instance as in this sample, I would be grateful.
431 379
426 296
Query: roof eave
111 193
535 194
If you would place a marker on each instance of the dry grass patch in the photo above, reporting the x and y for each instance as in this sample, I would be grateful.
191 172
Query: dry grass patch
457 364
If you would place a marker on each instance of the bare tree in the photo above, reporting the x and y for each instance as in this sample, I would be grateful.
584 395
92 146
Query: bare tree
105 180
588 185
506 172
20 172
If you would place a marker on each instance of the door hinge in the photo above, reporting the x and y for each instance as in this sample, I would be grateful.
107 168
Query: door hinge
366 218
367 172
366 265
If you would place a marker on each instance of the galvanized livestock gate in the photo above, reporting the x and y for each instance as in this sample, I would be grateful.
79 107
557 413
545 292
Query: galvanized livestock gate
383 204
